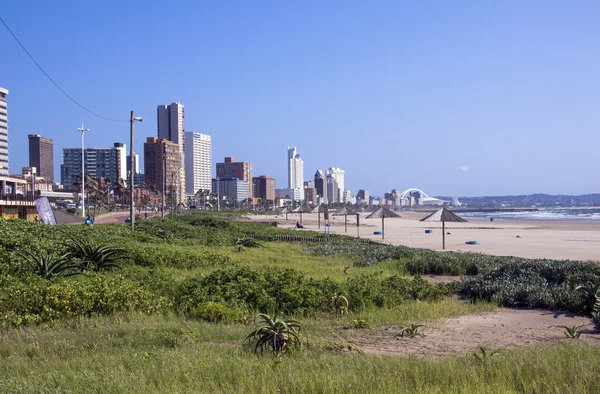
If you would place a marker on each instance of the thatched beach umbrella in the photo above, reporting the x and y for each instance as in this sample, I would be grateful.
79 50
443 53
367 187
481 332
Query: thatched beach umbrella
443 215
382 213
302 209
319 210
346 211
285 210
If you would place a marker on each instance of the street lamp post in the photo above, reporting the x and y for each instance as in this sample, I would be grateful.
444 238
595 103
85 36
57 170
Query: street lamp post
164 178
83 130
132 120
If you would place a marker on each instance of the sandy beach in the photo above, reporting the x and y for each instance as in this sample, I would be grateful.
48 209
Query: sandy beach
539 239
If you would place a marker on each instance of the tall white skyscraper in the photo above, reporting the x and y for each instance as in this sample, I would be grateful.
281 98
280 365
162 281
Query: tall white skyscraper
295 170
338 175
198 162
171 126
3 132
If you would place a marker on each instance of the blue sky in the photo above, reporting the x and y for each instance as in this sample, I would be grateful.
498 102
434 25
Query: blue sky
455 98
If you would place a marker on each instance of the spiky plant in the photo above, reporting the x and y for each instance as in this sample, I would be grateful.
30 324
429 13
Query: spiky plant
573 332
485 355
592 292
50 266
94 256
274 334
410 331
247 243
340 304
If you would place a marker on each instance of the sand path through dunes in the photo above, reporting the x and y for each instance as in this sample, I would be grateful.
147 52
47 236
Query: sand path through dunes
505 329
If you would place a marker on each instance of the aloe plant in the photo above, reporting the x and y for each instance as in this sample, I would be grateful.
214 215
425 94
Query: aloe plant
93 256
50 266
485 355
411 331
340 304
573 332
274 333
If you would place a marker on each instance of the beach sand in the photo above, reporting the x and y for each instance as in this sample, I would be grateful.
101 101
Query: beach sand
539 239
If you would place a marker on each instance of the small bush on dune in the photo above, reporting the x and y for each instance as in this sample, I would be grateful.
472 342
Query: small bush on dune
290 291
216 313
39 301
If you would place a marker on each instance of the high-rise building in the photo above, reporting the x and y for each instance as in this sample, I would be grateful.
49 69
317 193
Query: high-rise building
362 196
136 164
241 170
263 187
310 192
295 169
3 132
333 192
198 162
233 188
41 156
338 175
171 126
321 185
162 161
99 163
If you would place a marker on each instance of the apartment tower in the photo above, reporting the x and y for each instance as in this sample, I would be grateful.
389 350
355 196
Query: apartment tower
41 156
241 170
3 132
99 163
295 170
171 126
162 162
198 162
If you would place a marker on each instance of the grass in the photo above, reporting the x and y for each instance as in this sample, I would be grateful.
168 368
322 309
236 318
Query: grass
129 352
140 354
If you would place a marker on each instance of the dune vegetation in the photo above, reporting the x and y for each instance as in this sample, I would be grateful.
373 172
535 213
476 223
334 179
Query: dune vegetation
197 303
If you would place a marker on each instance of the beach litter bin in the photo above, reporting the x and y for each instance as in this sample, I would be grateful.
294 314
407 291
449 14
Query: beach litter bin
428 231
472 243
376 232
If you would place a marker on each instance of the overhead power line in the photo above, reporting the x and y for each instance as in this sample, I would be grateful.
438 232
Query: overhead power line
55 84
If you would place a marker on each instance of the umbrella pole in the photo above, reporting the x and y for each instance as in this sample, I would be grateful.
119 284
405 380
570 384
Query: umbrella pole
357 225
345 223
382 227
301 218
443 235
319 220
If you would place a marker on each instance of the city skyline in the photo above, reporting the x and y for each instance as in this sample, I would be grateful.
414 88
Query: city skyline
484 99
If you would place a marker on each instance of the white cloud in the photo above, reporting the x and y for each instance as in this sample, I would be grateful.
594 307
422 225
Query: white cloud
464 168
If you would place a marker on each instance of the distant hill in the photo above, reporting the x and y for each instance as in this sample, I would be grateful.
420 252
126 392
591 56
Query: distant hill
531 200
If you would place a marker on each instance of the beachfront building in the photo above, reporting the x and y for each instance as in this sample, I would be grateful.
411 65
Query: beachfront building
310 192
347 197
321 185
99 163
338 175
230 169
198 162
171 126
41 156
287 193
333 191
263 187
3 132
295 171
362 197
233 189
162 162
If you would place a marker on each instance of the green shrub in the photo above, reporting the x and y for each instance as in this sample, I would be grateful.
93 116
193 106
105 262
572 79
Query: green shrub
289 291
216 313
363 254
535 283
38 301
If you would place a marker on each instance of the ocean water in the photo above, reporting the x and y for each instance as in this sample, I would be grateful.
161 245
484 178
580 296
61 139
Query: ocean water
557 214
